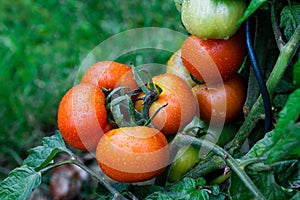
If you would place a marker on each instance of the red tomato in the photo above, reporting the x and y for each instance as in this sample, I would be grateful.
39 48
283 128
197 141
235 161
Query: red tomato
110 74
221 102
212 60
82 116
133 154
181 104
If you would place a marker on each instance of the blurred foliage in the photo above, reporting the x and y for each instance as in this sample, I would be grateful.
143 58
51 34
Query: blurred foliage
42 44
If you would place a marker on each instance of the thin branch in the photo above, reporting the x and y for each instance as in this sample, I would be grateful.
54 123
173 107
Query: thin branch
276 29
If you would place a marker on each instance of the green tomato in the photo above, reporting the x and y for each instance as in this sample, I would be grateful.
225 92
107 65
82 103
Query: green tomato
185 159
215 19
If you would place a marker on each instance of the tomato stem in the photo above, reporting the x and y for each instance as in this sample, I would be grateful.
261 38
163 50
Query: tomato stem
285 56
183 139
276 29
156 112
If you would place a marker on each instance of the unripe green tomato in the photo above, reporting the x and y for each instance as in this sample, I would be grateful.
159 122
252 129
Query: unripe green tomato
185 159
215 19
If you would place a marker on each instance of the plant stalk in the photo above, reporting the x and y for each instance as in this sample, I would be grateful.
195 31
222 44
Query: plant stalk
187 140
285 56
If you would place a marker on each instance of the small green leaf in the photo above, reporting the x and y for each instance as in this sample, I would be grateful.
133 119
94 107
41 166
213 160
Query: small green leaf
20 183
185 185
253 6
200 181
41 156
199 194
290 19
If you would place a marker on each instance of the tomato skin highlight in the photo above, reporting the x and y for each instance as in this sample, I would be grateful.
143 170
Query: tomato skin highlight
221 102
133 154
213 60
110 74
82 116
181 105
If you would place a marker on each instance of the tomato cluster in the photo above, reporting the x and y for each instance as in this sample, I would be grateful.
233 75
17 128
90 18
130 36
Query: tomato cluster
93 116
128 120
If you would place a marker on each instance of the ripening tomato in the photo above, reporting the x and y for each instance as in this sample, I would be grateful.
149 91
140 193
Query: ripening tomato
213 60
82 116
110 74
221 102
176 67
133 154
211 18
181 104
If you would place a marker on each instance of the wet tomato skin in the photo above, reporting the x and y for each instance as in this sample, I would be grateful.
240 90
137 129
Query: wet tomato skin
109 74
133 154
82 116
221 102
213 60
181 104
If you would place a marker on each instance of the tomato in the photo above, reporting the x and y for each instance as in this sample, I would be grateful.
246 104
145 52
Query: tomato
133 154
176 67
110 74
211 18
181 105
212 60
82 116
221 102
184 160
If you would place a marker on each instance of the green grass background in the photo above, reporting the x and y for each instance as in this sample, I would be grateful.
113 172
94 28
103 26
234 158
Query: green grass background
42 44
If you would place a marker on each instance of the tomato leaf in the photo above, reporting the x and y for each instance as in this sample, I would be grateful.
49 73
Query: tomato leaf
287 173
253 6
287 116
290 19
198 194
260 147
20 183
41 156
266 183
187 184
288 147
283 134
